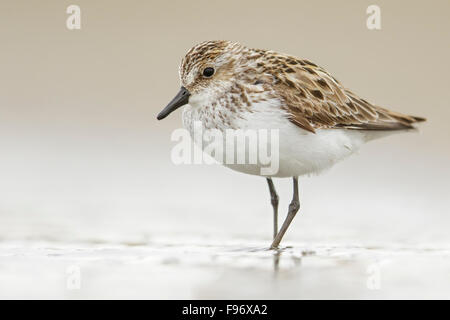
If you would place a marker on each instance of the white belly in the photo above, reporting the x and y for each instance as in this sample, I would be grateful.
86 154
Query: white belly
299 152
304 153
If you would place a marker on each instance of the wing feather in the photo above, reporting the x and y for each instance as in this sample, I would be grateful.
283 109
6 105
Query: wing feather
314 100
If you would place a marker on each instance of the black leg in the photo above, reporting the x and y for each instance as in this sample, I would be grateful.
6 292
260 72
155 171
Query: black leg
274 199
293 209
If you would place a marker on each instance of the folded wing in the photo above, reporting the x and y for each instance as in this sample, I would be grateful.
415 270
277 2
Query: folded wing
314 100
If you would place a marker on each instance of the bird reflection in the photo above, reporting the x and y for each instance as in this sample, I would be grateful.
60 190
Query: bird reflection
297 261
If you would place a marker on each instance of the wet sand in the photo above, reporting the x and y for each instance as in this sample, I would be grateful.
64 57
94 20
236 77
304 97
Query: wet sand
198 269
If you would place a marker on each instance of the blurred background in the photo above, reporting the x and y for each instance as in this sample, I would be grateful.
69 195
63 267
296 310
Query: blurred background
84 160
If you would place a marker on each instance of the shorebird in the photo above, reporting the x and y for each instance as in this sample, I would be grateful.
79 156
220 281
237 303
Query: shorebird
226 85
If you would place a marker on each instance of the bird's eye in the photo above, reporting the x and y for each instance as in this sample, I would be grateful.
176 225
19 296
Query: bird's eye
208 72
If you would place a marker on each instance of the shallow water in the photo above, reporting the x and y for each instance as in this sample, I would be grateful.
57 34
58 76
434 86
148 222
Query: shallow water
199 269
114 230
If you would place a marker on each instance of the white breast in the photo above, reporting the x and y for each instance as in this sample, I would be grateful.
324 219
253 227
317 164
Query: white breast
300 152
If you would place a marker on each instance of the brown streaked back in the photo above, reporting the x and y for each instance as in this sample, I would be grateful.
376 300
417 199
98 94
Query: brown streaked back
314 99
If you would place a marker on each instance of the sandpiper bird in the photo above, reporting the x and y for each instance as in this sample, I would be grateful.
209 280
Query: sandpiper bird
227 85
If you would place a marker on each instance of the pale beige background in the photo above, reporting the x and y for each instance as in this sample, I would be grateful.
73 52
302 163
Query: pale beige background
83 158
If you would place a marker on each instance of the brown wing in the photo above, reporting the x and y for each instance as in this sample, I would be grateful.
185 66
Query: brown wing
315 99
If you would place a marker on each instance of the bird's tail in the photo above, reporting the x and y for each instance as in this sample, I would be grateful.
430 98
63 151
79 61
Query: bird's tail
402 121
418 119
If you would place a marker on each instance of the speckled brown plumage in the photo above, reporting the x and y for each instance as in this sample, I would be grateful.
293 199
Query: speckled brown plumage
313 98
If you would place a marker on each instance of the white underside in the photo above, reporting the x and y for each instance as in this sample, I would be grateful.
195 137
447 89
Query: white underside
304 153
300 152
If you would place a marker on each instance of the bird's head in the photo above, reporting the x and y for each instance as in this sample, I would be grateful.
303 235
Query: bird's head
207 71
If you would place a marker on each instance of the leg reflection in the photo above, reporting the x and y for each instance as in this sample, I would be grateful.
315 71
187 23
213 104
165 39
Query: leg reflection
295 260
276 261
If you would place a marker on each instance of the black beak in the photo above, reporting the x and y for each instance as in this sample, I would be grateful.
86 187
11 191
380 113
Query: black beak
180 99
